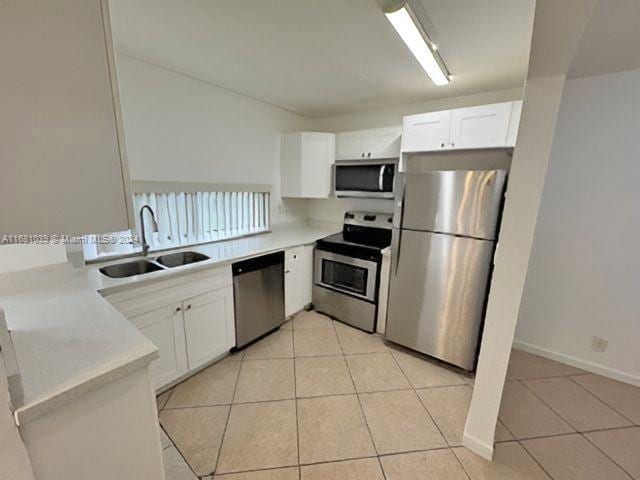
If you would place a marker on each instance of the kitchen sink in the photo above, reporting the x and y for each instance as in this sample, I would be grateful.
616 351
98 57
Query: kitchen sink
181 258
129 269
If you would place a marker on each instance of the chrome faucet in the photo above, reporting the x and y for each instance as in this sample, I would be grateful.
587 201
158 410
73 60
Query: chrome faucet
154 227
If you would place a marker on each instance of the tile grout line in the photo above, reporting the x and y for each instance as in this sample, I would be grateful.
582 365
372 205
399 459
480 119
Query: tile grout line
173 444
420 400
523 446
187 407
601 400
295 394
226 424
631 477
576 432
589 394
576 429
448 446
364 416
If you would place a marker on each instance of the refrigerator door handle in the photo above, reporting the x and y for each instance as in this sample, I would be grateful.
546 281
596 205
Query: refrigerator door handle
381 178
396 254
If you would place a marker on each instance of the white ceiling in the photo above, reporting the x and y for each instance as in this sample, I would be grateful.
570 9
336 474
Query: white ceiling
611 40
326 57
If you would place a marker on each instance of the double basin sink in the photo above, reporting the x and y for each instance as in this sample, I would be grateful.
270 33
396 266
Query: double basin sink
142 266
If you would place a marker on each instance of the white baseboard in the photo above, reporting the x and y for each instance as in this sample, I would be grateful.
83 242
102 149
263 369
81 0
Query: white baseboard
578 363
477 447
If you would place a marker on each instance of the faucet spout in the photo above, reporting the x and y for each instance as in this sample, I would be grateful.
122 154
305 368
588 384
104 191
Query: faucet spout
154 227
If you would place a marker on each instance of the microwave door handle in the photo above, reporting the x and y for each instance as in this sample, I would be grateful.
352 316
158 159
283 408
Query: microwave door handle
381 178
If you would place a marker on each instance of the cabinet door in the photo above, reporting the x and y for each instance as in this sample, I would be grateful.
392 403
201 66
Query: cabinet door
382 142
480 127
208 326
349 145
317 157
165 328
298 277
426 132
514 123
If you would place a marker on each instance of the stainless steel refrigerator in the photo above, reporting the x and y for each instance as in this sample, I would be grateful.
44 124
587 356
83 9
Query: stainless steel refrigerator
445 225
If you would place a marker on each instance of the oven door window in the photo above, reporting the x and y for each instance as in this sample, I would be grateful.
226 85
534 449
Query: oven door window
345 277
364 178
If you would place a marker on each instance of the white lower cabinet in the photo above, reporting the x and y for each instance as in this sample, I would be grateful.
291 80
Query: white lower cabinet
208 319
165 328
189 318
298 278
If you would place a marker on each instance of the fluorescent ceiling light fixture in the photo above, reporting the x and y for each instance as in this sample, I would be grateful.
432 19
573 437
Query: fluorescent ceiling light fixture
412 33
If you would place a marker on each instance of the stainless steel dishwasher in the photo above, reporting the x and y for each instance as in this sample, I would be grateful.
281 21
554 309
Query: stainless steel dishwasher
258 295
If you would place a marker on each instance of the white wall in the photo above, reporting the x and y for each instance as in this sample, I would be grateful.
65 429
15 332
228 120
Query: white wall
181 129
333 209
584 279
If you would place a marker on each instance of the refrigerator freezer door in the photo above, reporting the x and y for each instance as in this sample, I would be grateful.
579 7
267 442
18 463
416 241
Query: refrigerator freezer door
437 292
460 202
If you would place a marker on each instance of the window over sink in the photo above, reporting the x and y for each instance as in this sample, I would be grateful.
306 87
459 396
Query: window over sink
187 214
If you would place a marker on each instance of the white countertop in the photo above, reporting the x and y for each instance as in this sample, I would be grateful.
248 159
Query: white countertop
68 339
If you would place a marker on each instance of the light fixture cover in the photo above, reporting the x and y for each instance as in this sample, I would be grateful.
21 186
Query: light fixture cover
412 34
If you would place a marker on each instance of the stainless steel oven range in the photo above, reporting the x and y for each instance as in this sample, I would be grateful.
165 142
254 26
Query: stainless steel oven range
347 269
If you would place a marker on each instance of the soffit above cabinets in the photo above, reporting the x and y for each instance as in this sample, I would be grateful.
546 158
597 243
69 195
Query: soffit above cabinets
325 58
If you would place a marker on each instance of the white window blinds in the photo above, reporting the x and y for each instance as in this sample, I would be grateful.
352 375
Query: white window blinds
187 218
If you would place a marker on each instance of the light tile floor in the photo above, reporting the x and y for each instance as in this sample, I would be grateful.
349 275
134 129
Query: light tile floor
319 400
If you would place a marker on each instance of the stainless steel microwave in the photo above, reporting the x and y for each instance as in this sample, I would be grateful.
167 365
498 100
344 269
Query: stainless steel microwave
364 178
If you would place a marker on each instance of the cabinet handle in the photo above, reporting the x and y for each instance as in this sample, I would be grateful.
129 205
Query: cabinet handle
362 154
287 271
369 155
453 144
188 307
178 309
442 145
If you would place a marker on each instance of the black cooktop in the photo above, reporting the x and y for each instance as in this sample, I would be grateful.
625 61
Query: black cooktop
363 235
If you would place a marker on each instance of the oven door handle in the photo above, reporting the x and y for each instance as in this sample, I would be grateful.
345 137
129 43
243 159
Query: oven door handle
381 178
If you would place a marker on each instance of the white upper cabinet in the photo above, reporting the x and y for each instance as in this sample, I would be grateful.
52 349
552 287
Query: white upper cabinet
484 126
349 145
375 143
60 135
426 131
305 164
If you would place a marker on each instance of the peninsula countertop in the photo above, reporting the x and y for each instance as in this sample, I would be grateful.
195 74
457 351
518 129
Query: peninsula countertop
69 340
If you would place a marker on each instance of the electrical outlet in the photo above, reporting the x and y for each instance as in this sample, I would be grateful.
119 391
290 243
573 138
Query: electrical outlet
599 344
